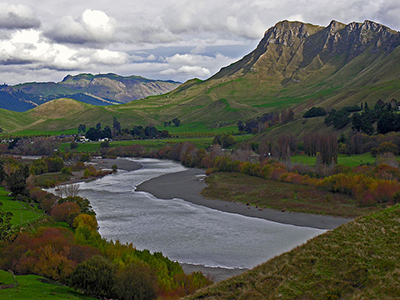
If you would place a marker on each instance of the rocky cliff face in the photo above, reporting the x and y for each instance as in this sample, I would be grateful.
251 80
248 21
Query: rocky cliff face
290 43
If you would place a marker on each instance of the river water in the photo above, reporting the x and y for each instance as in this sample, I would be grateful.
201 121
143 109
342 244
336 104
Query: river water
182 231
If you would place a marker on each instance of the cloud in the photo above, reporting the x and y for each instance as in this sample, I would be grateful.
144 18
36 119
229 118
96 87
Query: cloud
194 71
30 48
17 16
93 26
165 39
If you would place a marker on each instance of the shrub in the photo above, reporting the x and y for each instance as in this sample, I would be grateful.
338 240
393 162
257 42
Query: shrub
314 112
61 211
96 276
136 281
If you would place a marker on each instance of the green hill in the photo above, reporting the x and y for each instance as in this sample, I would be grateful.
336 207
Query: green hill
358 260
295 65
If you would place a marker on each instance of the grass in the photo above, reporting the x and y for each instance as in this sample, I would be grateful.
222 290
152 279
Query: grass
348 160
36 287
199 128
358 260
22 212
45 132
280 195
202 142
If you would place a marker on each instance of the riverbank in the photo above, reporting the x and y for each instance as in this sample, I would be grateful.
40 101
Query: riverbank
104 164
188 184
215 274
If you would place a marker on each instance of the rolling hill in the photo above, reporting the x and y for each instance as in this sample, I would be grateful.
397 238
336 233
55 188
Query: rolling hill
100 90
295 65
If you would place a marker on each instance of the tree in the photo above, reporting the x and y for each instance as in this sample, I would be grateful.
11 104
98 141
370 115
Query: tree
176 122
2 172
314 112
225 140
5 224
329 148
96 276
136 281
356 144
240 126
386 147
16 181
116 126
356 122
98 126
81 128
386 123
93 134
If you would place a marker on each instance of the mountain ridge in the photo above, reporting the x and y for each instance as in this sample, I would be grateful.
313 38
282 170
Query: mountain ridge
100 89
296 65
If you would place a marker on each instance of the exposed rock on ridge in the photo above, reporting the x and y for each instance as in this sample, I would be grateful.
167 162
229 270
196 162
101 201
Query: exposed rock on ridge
308 43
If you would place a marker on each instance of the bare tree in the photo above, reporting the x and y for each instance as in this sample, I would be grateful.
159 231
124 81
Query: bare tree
68 190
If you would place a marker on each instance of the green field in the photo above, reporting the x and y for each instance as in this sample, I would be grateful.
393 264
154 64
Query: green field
198 128
199 142
22 212
348 160
45 132
36 287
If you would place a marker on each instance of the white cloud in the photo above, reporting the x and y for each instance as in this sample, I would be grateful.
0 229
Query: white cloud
195 71
17 16
93 26
165 39
29 47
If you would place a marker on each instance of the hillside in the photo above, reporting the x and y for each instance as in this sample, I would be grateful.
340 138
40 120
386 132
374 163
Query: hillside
350 262
101 90
295 65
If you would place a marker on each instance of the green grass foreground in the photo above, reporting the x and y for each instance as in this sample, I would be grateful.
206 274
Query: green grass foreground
358 260
36 287
281 195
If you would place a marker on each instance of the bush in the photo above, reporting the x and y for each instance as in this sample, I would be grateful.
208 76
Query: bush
96 276
61 211
136 281
315 112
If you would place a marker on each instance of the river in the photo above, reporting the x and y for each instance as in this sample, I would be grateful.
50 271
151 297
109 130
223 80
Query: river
183 231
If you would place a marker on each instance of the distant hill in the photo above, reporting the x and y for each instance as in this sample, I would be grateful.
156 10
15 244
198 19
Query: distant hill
296 65
102 89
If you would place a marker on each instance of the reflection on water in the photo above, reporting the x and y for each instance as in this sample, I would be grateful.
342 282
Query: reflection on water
183 231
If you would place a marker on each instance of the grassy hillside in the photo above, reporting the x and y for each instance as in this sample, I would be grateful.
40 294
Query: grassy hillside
358 260
295 65
36 287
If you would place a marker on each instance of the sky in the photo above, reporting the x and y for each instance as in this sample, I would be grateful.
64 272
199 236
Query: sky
158 39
